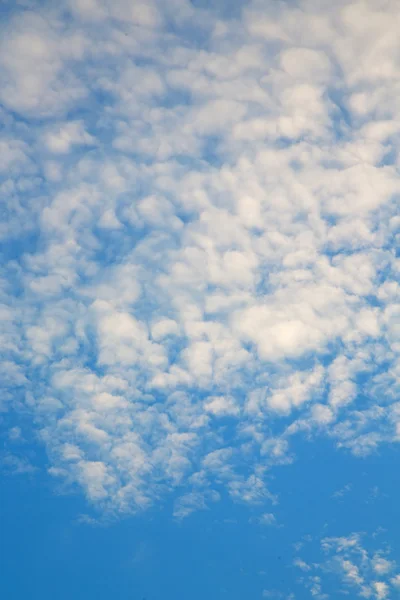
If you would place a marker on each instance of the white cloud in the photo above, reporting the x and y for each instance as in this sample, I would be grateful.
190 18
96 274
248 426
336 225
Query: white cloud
267 519
351 565
322 414
35 64
381 565
220 406
15 434
191 502
250 491
62 139
95 476
305 64
211 234
381 589
395 581
16 465
301 564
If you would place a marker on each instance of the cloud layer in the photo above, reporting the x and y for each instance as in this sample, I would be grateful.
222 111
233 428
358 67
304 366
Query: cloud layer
200 235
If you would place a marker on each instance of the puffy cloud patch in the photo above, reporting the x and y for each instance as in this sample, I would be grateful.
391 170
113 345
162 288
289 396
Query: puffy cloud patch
356 570
199 241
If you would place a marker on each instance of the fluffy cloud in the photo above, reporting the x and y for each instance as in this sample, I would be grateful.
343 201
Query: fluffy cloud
365 573
199 240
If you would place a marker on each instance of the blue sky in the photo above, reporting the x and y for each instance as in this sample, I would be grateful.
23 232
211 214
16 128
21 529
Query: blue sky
199 299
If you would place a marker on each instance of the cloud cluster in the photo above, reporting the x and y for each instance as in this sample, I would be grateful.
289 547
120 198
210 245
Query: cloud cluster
200 238
353 569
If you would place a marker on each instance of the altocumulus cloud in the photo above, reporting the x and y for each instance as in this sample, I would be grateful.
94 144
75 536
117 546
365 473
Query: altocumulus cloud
354 562
199 233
